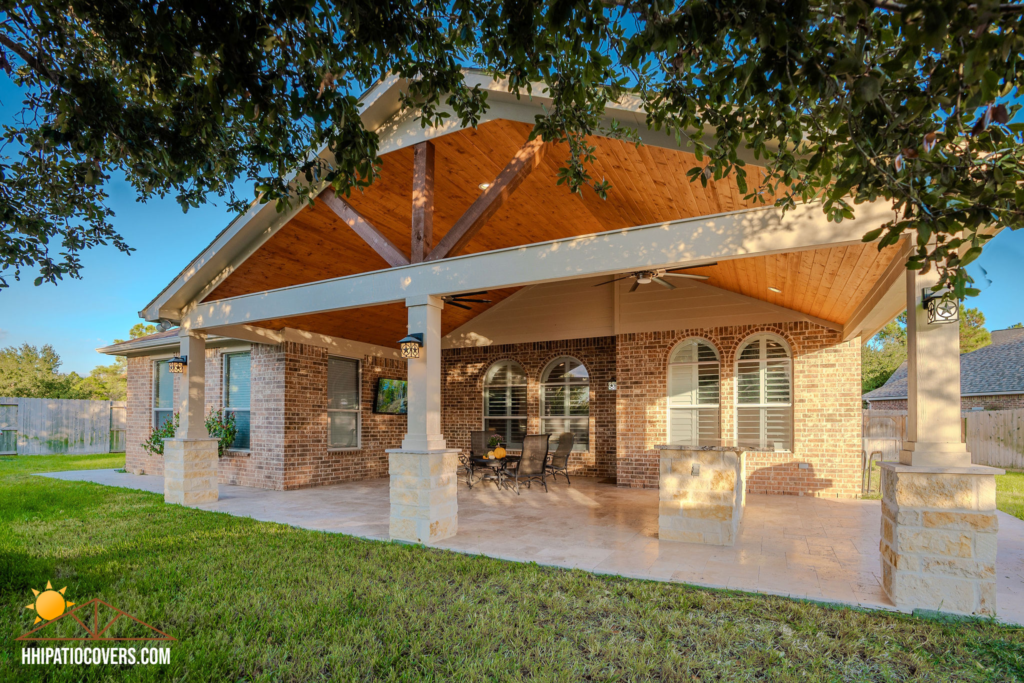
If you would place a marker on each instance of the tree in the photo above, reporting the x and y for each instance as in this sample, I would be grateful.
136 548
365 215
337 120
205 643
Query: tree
847 102
973 334
884 353
110 382
31 372
1016 326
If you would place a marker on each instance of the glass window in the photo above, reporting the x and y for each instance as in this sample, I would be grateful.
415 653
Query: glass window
163 393
237 383
693 394
505 402
565 400
343 405
764 394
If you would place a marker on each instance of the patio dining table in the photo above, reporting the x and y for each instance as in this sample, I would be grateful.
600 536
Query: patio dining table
495 468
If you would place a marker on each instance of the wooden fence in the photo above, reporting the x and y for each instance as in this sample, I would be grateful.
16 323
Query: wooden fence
40 426
994 437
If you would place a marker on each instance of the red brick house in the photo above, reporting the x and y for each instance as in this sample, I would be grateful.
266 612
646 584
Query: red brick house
672 317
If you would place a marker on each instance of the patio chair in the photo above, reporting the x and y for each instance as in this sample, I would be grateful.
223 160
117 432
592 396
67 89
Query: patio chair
477 449
560 458
531 466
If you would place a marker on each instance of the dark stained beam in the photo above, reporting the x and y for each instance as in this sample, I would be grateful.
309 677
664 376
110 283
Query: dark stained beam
422 200
487 204
362 227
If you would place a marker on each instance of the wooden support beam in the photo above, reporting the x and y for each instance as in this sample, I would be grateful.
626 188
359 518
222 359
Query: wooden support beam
486 205
422 200
362 227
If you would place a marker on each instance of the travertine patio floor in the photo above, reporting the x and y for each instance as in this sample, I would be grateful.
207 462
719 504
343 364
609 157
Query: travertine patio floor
812 548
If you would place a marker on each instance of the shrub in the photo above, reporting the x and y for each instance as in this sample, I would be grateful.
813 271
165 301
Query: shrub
221 427
154 445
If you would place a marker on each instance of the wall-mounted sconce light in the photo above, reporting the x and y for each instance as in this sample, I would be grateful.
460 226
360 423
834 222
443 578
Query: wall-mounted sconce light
411 345
177 364
941 306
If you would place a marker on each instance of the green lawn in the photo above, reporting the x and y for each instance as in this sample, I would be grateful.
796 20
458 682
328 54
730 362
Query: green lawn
251 601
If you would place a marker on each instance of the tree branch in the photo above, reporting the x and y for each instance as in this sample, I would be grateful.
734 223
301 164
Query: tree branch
27 56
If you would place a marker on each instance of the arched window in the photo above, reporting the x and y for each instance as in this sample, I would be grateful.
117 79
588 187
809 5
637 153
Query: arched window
764 393
505 401
565 400
693 394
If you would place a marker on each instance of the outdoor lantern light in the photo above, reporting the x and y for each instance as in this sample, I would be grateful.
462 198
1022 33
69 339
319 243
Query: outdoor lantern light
411 345
941 307
177 364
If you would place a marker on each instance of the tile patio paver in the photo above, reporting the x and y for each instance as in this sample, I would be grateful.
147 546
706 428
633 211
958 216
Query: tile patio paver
813 548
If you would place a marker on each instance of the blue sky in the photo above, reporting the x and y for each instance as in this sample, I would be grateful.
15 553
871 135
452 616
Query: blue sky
77 316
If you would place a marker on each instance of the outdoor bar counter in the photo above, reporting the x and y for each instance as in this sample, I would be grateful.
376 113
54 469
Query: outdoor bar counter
702 493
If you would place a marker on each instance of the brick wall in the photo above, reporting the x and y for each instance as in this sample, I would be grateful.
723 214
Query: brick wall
309 462
462 377
1004 402
139 417
826 408
288 420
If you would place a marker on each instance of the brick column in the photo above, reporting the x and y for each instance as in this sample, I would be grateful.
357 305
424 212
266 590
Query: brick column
938 546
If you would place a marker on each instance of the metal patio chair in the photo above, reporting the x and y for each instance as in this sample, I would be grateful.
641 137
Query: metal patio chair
559 463
531 466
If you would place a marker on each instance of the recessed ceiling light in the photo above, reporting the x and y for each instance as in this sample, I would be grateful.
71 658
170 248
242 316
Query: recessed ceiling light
775 289
484 186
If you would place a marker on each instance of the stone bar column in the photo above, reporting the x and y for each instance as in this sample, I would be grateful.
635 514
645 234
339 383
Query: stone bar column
424 506
938 545
191 458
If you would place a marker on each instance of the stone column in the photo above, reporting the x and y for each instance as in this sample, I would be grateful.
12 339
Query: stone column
938 545
424 486
191 458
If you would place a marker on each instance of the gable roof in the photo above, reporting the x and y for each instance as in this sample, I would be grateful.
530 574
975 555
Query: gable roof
994 369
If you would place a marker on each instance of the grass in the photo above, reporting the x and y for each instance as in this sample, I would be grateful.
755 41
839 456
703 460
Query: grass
254 601
1010 493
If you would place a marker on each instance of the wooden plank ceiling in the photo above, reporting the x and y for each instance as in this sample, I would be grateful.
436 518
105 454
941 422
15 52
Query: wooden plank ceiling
826 283
649 185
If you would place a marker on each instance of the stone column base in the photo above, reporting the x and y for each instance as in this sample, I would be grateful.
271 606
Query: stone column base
424 490
190 471
938 541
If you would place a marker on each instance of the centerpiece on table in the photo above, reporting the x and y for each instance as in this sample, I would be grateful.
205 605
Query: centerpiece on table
497 451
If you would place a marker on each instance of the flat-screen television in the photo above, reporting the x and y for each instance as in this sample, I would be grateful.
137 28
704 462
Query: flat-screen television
391 397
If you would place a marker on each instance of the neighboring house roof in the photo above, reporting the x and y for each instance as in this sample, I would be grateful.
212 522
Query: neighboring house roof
990 370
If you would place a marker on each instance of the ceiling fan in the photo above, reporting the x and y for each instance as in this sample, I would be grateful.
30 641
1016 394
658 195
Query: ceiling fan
460 300
644 277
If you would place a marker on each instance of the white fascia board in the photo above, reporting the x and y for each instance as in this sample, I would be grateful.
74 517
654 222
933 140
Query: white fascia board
663 245
336 346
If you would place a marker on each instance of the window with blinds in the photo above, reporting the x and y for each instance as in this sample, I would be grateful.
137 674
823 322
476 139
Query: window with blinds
343 403
163 393
237 392
505 402
764 394
694 385
565 400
